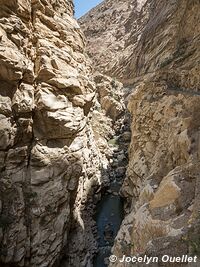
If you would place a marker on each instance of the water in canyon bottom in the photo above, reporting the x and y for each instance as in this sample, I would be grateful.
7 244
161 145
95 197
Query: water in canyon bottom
108 218
110 210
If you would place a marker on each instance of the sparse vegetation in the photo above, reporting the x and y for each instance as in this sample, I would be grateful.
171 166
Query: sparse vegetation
195 245
115 95
98 108
127 248
192 239
113 142
114 82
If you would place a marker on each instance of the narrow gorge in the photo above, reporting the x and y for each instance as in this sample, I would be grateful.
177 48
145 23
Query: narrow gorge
99 133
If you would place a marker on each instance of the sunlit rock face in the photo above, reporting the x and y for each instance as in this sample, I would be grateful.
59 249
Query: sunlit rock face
163 179
112 30
46 143
159 59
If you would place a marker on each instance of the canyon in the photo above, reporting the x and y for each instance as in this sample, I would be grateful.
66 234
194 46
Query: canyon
157 48
99 123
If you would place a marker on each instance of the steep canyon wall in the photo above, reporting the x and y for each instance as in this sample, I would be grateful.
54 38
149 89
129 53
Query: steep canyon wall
47 147
53 133
153 47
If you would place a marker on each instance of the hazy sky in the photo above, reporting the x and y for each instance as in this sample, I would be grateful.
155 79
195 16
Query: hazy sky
82 6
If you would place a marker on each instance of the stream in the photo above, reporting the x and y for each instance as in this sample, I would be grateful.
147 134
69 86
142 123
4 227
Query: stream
108 217
104 224
110 210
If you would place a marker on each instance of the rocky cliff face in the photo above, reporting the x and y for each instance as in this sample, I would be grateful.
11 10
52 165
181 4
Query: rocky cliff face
160 62
107 119
112 30
162 179
53 150
47 148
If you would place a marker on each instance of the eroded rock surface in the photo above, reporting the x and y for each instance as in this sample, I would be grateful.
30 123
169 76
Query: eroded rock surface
112 30
107 120
154 47
47 146
54 153
162 181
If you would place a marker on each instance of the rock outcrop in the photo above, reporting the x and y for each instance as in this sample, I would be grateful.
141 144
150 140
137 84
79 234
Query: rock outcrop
55 132
47 146
112 31
160 62
107 118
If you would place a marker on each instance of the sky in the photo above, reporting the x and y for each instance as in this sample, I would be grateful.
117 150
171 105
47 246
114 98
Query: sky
83 6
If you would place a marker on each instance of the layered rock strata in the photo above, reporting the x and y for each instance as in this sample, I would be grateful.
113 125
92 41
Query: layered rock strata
160 61
47 146
112 30
50 163
162 182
